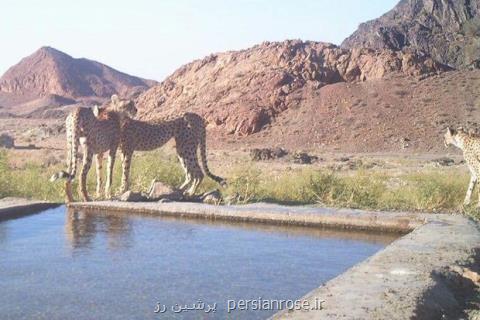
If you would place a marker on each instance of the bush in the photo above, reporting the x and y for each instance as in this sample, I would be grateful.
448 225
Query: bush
435 190
29 182
243 185
471 28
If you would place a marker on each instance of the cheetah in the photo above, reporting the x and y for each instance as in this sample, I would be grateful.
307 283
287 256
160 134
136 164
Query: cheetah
188 140
98 132
189 133
470 145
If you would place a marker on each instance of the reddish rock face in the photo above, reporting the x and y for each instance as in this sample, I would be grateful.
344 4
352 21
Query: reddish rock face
242 91
50 72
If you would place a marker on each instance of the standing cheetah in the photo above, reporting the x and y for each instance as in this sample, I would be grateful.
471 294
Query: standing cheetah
470 145
190 135
188 140
97 135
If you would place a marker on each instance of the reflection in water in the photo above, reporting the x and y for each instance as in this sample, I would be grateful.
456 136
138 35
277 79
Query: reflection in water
293 230
121 265
3 232
123 225
82 228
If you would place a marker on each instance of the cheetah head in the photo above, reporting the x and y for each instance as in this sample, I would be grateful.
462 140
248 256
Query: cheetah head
455 137
124 106
449 137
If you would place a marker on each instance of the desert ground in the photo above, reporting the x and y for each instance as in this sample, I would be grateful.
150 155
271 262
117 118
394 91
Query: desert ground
395 181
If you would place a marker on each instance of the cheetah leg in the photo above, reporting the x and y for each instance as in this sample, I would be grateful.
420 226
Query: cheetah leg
87 163
108 185
478 203
187 183
126 162
182 157
98 166
188 177
471 186
194 186
194 170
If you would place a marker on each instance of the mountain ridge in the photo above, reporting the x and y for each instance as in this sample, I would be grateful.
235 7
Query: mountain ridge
243 91
447 30
49 71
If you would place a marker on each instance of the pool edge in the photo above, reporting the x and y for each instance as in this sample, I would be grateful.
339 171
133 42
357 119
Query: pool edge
410 278
12 208
271 214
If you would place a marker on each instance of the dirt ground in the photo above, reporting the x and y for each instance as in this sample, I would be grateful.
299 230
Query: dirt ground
42 141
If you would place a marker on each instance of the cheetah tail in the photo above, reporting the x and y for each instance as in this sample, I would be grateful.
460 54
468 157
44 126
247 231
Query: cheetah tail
203 155
198 123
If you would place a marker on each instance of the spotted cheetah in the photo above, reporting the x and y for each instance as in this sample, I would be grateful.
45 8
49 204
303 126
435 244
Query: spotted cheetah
98 132
189 133
470 145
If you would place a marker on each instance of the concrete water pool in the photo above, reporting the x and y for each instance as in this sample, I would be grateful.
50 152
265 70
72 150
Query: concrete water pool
79 264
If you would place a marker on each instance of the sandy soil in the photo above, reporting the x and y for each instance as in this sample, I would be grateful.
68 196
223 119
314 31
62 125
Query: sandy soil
38 141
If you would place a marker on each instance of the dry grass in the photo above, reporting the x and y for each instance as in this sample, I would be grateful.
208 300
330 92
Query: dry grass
431 190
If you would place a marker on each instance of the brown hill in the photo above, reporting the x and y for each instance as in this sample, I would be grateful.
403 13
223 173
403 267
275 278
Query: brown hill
310 95
243 91
52 72
392 114
447 30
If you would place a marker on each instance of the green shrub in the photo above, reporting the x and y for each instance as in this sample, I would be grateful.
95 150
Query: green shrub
149 166
243 184
435 190
5 190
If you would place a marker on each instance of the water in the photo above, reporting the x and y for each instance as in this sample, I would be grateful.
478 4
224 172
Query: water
92 265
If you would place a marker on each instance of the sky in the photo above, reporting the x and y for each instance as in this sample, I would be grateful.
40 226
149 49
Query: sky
152 38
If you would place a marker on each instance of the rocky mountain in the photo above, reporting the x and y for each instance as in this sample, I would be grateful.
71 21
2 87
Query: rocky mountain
241 92
51 73
397 113
448 30
394 85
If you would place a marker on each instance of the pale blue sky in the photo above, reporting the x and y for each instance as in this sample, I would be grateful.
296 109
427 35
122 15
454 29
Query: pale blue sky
152 38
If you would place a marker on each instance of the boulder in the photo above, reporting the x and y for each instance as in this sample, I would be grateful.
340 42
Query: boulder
304 158
443 162
158 189
212 197
161 192
267 154
130 196
6 141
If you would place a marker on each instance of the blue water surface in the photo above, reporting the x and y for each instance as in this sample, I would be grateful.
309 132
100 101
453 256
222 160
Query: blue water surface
62 264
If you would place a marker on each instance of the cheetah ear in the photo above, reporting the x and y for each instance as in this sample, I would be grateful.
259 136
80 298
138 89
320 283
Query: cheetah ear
114 99
96 110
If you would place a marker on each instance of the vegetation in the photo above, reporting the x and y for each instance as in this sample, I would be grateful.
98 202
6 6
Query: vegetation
432 190
429 191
